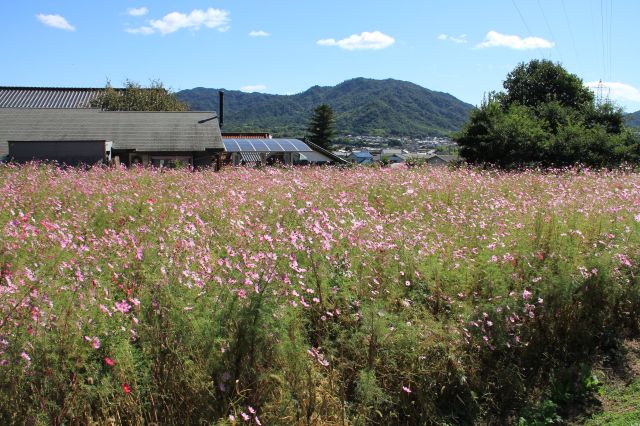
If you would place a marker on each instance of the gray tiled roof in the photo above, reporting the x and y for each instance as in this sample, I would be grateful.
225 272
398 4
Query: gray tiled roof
47 97
140 131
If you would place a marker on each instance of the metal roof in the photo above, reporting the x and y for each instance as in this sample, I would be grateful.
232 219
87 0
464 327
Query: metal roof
265 145
47 97
143 131
362 154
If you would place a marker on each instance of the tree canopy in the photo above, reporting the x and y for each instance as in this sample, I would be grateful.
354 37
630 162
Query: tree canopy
546 117
322 126
134 97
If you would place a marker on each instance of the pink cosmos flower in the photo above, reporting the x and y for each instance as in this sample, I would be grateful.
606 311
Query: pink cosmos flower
105 310
406 389
123 306
109 362
624 259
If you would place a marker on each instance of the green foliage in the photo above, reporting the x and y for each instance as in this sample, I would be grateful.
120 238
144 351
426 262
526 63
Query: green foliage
546 118
321 128
540 81
542 414
134 97
622 406
361 106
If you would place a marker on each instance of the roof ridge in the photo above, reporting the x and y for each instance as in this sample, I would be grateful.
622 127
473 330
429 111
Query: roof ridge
66 110
55 88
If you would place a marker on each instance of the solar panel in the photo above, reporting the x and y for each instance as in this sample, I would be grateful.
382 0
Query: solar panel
265 145
300 146
260 145
230 145
291 146
245 145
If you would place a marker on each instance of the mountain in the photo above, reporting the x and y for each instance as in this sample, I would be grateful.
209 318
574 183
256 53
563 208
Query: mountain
633 119
361 106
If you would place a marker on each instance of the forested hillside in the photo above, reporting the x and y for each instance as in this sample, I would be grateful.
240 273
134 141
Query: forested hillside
362 106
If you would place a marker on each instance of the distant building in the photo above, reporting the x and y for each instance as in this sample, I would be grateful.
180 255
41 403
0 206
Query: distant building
442 160
360 157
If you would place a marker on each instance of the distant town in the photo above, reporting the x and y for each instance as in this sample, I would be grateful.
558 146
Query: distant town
406 142
392 150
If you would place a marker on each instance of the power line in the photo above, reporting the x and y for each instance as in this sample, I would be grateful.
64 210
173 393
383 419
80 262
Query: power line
522 18
602 37
573 40
550 31
610 40
606 34
525 24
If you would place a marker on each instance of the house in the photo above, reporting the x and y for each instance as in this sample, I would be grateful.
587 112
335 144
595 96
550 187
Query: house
360 157
148 138
390 155
60 124
393 158
442 160
48 123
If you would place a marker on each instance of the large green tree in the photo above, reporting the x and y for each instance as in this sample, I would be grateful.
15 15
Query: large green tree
321 129
546 117
134 97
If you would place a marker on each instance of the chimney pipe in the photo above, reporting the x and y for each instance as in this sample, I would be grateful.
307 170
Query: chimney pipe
221 108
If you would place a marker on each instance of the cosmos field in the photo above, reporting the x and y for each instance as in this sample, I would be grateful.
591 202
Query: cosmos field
310 295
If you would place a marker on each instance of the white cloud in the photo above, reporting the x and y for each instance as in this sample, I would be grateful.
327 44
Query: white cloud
495 39
259 33
617 91
140 30
174 21
366 40
462 38
253 88
55 21
210 18
137 11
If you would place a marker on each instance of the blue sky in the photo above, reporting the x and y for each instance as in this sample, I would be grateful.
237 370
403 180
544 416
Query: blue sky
463 47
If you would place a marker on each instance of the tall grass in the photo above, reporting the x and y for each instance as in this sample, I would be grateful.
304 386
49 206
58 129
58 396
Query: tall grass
310 296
